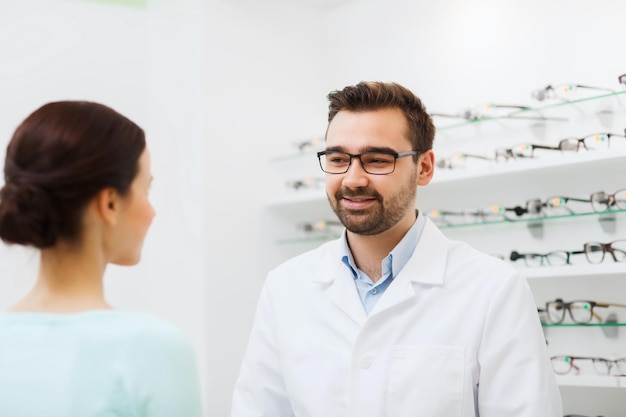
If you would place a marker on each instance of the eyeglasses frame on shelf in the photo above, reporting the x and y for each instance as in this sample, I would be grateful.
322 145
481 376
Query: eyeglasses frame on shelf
605 248
560 254
609 364
541 94
566 307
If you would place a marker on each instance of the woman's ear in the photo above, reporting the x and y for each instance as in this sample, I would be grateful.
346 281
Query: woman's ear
426 167
107 203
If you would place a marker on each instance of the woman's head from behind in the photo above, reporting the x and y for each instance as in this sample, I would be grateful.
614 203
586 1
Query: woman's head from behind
59 159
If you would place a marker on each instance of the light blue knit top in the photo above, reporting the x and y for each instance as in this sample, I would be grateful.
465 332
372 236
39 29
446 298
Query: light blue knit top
98 363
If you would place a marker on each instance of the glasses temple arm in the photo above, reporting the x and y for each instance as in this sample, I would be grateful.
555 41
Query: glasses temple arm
605 305
555 148
593 88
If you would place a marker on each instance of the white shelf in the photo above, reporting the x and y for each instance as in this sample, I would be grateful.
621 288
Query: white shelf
297 197
591 381
606 269
536 165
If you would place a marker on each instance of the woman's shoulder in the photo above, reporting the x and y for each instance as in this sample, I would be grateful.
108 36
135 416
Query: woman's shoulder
144 328
126 327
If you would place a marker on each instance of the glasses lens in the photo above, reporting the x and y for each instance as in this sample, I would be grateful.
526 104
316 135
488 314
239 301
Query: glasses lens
533 259
557 258
378 163
581 311
452 162
445 163
334 162
558 205
539 94
594 252
491 213
621 366
597 141
602 366
534 206
565 91
523 151
600 201
619 250
561 364
570 144
555 311
503 154
620 199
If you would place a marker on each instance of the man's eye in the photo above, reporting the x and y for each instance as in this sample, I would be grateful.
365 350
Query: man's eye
378 160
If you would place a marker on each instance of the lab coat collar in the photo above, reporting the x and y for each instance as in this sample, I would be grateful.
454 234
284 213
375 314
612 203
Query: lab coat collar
426 266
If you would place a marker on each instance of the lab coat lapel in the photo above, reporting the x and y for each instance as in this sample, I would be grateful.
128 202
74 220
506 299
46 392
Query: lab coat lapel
338 284
426 266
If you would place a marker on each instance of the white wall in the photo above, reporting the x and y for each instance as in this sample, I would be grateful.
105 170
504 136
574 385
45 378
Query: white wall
147 64
265 77
457 53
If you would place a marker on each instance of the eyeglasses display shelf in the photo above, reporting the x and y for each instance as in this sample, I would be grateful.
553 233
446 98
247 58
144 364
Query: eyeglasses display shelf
592 381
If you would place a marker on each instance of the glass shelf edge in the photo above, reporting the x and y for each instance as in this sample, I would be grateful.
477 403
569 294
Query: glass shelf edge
308 239
533 220
548 325
511 116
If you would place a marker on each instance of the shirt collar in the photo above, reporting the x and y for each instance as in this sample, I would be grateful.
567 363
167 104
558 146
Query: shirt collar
399 255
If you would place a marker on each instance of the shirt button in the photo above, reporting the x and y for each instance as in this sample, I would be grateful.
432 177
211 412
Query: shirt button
374 291
366 363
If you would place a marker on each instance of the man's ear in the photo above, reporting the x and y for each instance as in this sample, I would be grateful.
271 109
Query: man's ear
426 167
107 202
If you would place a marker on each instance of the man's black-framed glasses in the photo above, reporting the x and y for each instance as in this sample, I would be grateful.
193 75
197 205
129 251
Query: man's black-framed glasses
375 162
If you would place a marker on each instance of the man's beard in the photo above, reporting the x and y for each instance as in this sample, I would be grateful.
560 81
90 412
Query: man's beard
378 218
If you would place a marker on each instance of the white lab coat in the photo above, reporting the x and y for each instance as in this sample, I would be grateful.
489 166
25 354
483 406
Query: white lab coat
456 334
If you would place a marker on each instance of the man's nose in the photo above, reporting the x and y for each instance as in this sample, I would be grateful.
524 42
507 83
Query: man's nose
355 176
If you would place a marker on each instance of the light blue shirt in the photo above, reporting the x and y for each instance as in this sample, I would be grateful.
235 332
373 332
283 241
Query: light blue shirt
369 291
95 364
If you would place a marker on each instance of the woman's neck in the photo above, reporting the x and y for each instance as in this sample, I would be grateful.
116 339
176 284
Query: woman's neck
70 280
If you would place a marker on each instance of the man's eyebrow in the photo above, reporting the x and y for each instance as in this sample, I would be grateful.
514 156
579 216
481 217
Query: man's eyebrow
383 149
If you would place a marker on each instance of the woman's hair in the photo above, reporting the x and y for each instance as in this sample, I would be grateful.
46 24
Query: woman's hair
58 159
376 95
